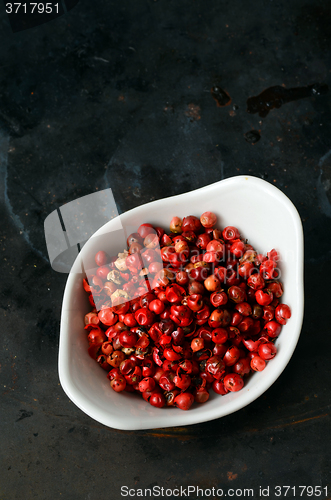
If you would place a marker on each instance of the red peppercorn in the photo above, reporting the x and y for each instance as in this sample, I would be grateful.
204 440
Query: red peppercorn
129 320
276 288
107 348
268 313
197 344
157 399
215 246
96 335
258 364
233 382
145 229
178 336
218 387
219 335
175 293
114 372
255 281
182 278
195 302
237 248
230 233
246 324
218 299
156 306
215 366
202 241
196 287
170 397
231 278
184 400
201 395
212 283
263 297
147 368
236 294
208 219
273 328
116 358
219 318
282 313
171 355
191 223
267 350
244 308
267 269
127 366
166 382
182 381
134 238
181 315
231 356
242 366
107 316
176 225
134 377
246 269
144 316
158 374
251 345
146 384
101 258
102 272
118 383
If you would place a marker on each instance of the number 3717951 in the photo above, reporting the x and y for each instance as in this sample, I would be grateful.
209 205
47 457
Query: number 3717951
32 8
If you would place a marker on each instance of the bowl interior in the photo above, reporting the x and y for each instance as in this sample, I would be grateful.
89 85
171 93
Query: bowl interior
266 218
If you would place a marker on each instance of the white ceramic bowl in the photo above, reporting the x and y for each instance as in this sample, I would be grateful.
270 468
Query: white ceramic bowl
265 216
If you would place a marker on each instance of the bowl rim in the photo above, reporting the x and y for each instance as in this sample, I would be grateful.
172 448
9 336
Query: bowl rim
191 418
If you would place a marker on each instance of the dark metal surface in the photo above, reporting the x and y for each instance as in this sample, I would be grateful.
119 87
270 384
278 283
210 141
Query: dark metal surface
119 94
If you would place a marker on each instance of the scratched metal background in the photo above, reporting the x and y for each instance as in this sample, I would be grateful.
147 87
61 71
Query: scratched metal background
118 94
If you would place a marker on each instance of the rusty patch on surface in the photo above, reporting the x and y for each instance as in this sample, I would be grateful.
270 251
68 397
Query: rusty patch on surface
275 97
231 475
221 97
287 424
193 112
